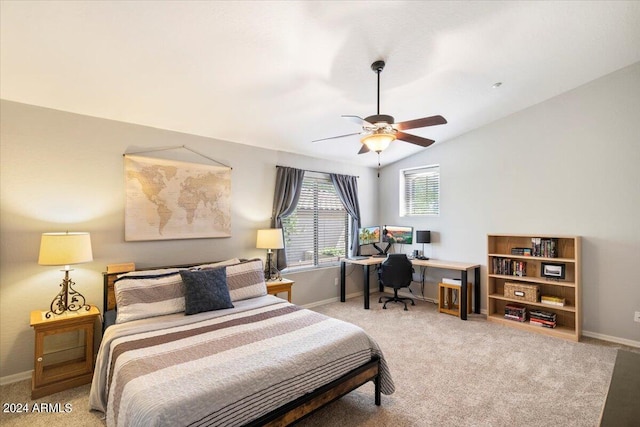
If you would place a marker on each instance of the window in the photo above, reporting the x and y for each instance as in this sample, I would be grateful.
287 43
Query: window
316 232
420 191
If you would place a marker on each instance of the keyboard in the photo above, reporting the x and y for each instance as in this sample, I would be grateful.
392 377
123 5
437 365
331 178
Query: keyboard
359 257
379 256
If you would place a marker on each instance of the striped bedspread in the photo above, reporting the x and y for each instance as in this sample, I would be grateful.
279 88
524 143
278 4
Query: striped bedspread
224 367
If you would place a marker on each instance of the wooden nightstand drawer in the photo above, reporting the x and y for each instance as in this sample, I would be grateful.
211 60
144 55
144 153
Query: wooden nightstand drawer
63 356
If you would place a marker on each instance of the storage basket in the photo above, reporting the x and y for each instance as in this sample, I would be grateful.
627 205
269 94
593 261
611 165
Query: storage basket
522 292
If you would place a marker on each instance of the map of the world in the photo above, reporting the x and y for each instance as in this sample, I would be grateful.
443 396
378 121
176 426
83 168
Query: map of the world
168 199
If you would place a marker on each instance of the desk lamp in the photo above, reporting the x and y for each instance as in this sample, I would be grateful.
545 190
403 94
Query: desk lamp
423 236
66 249
270 238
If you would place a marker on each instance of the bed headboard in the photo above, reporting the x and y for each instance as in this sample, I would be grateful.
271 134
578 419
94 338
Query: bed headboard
113 270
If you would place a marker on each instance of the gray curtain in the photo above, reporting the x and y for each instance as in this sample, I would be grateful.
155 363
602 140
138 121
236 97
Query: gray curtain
285 200
347 188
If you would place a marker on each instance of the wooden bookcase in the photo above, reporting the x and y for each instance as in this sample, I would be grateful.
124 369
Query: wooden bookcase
569 316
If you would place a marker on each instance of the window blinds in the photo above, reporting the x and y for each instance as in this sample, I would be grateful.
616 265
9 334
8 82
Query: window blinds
421 191
316 232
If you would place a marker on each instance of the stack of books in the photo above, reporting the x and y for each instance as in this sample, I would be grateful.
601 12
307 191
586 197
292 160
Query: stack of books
543 319
551 300
521 251
515 312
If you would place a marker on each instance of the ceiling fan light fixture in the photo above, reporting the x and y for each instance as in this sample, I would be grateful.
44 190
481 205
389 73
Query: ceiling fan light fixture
378 141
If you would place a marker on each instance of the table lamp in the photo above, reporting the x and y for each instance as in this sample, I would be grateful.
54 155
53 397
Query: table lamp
66 249
269 239
423 236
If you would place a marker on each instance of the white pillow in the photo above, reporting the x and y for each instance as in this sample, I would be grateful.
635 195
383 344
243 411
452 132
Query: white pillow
151 293
246 280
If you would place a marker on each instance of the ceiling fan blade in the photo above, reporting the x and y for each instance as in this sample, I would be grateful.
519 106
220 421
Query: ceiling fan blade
421 123
357 120
335 137
364 149
413 139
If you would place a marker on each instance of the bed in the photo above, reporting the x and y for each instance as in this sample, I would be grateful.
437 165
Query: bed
170 359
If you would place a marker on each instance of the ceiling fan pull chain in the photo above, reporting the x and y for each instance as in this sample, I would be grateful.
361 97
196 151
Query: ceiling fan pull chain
378 163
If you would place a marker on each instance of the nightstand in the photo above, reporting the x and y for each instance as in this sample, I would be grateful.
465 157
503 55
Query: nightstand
274 287
63 350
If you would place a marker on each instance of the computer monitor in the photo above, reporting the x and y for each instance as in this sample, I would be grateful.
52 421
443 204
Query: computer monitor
397 234
369 235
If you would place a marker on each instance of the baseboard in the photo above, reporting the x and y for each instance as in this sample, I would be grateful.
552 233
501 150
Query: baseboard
330 300
603 337
10 379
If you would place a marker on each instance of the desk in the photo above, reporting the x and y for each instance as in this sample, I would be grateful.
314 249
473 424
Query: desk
462 267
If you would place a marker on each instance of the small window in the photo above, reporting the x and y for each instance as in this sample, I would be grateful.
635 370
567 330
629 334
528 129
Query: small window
316 233
420 191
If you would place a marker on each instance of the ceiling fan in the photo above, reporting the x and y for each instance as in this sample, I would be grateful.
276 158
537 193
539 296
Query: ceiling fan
379 130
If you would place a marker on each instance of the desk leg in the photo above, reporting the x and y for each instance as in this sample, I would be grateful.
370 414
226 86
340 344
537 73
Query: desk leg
342 282
366 287
463 295
476 292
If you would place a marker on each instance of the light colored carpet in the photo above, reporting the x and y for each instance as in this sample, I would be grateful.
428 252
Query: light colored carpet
447 372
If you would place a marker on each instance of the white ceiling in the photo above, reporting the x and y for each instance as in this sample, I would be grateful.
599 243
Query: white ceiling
280 74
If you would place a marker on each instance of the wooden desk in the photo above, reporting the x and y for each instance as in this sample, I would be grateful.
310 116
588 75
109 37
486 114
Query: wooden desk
462 267
365 263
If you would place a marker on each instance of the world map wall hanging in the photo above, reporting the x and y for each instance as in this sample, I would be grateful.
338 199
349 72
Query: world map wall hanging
168 199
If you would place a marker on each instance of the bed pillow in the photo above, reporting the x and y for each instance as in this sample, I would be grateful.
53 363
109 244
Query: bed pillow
246 280
150 293
205 290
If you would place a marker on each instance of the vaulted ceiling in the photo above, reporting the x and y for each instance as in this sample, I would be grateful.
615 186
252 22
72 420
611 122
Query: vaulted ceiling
280 74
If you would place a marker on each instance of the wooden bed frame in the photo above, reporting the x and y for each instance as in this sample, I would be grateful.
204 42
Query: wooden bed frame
296 409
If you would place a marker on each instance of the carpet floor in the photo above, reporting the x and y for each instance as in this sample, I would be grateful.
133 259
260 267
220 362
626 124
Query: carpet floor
447 372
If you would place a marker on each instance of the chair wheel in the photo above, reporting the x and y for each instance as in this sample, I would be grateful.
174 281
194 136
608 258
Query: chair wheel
413 303
384 307
406 309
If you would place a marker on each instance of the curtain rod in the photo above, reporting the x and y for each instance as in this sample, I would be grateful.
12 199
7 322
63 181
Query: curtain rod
309 170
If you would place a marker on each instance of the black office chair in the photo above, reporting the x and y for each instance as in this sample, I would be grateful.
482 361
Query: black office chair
396 272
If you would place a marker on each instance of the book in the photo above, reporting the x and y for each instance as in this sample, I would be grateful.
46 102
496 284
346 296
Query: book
509 267
516 318
521 251
552 300
535 322
547 247
544 315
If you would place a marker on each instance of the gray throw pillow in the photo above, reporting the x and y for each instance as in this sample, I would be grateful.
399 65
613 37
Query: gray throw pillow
205 290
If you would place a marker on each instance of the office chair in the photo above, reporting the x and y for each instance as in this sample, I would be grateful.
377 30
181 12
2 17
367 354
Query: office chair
396 272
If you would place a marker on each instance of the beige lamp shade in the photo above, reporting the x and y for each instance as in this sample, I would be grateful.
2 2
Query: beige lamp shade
378 141
65 248
270 238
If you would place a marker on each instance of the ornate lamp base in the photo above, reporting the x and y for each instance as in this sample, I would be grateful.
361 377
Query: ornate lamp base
62 303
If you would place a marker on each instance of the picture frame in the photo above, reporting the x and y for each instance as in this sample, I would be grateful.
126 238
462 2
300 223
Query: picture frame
552 270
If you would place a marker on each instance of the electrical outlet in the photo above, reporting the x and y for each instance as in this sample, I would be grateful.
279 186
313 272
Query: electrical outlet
636 318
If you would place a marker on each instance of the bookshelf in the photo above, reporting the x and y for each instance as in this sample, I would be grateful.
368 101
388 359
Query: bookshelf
510 263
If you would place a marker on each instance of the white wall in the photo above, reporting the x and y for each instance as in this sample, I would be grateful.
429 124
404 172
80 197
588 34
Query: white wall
570 166
63 171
